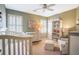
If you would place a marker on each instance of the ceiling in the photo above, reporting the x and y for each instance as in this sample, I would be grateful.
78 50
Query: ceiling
28 8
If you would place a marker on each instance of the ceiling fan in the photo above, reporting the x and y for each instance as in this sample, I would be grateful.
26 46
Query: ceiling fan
45 7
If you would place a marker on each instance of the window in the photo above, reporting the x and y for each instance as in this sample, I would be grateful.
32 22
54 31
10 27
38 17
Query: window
43 26
49 26
15 23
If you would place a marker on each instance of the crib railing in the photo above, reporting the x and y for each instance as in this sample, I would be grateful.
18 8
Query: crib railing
11 33
16 45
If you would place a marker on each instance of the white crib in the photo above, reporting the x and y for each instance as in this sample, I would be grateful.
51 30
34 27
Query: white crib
15 43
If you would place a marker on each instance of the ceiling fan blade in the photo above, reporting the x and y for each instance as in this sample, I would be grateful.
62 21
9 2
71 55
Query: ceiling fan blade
37 9
50 9
50 5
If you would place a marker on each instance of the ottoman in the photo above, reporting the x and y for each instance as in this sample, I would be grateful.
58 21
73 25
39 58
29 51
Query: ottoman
49 45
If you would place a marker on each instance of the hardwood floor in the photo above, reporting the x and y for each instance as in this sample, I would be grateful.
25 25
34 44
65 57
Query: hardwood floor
38 49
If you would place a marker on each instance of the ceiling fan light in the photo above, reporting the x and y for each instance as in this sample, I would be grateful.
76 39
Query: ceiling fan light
45 7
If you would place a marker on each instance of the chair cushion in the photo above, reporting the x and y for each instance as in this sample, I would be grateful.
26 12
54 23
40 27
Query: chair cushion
49 41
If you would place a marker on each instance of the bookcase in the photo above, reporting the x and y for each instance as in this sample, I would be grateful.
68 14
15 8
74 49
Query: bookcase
56 29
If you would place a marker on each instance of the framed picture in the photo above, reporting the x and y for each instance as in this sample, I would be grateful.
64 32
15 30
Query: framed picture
31 24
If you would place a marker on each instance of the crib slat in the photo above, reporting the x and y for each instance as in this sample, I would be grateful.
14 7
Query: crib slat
18 47
22 48
3 46
9 48
14 46
30 47
26 47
